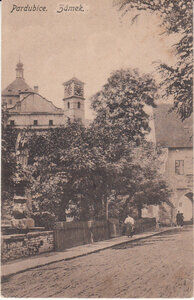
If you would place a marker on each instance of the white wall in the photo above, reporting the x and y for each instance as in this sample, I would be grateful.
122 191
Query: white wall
185 206
22 120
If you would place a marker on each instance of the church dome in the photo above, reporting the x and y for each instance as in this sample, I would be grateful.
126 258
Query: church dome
19 65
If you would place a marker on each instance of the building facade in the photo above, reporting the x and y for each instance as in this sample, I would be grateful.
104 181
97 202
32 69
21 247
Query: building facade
175 139
27 108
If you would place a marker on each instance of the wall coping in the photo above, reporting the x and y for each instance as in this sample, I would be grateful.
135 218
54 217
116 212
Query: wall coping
23 235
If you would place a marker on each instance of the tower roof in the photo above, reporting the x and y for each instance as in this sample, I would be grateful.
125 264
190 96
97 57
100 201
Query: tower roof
19 85
19 65
73 79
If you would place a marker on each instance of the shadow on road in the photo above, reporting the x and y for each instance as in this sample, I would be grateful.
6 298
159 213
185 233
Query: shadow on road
163 236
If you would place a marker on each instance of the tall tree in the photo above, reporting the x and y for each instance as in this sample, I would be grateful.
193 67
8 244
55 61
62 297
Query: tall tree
176 17
119 106
119 132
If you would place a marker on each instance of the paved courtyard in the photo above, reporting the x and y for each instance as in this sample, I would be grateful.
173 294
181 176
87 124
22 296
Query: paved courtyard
159 266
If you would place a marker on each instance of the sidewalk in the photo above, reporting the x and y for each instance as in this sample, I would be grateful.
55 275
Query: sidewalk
32 262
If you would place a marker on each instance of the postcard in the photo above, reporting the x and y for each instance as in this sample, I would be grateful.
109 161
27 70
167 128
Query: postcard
96 152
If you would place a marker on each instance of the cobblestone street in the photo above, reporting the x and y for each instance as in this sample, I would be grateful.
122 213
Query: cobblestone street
159 266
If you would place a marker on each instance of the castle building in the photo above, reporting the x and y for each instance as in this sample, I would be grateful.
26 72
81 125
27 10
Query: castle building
175 139
27 108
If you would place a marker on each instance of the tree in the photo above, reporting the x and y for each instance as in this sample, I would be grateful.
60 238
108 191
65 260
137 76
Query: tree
119 106
139 182
62 166
147 185
8 164
176 17
127 161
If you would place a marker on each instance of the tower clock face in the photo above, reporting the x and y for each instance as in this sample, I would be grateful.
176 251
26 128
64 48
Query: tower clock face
78 90
68 90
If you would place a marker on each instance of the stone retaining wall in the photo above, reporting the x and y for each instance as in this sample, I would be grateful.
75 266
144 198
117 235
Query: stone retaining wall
23 245
65 235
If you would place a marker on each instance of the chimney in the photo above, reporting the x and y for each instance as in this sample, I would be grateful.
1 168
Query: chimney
36 89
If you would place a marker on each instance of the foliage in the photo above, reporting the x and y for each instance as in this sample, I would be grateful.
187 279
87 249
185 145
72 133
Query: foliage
176 17
62 167
8 164
139 182
120 105
147 185
128 163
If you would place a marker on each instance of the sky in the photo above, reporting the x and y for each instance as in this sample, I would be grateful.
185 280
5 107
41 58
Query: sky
90 45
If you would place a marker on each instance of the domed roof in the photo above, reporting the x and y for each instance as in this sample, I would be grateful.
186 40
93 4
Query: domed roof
19 65
19 85
16 87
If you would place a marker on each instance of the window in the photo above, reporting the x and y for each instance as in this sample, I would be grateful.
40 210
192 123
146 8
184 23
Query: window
78 105
68 105
12 122
10 101
19 189
35 122
50 122
179 167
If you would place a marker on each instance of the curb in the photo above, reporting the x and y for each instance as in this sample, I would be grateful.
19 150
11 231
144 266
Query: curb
7 276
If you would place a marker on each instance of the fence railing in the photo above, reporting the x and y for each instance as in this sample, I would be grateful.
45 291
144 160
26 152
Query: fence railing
71 234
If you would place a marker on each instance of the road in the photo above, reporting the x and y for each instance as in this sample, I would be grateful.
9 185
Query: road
159 266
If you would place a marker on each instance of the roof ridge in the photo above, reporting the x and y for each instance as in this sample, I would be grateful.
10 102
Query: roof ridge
32 93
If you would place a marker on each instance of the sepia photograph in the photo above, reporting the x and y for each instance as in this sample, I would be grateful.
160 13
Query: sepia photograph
97 149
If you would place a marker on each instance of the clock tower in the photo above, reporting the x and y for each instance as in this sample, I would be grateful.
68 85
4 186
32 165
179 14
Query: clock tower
74 99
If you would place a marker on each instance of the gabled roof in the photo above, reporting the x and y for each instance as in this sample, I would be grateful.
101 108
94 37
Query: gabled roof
16 87
170 131
35 103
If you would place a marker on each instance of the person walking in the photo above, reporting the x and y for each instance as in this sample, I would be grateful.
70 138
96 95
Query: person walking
178 219
181 219
130 226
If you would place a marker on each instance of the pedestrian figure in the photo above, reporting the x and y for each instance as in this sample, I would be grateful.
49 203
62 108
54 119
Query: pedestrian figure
181 219
130 226
178 218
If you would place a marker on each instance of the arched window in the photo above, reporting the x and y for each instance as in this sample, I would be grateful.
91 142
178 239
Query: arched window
78 104
68 105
